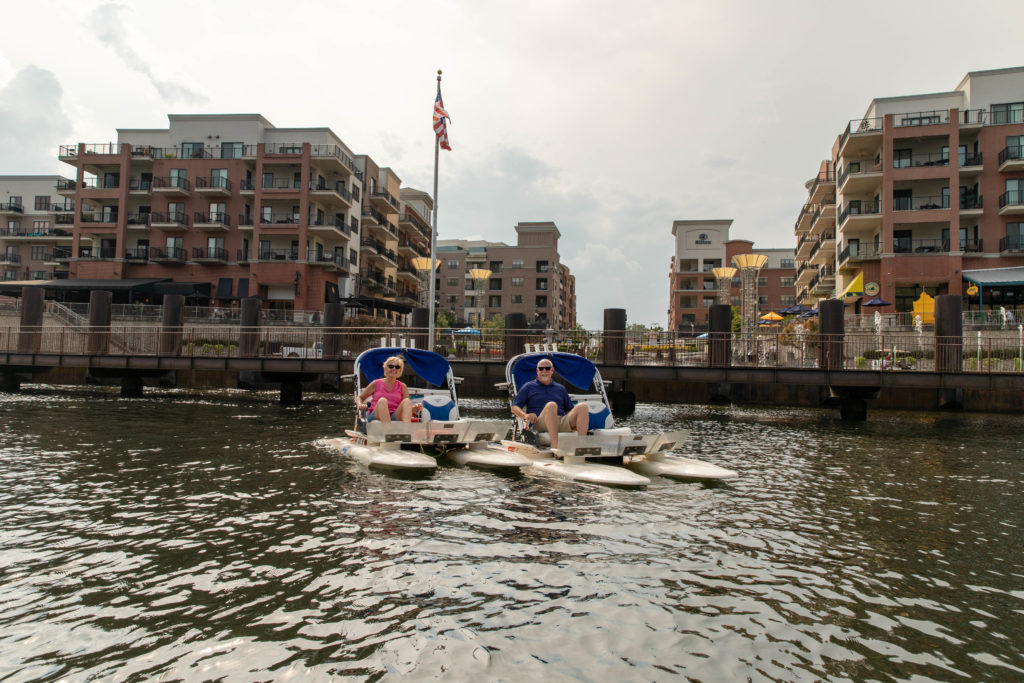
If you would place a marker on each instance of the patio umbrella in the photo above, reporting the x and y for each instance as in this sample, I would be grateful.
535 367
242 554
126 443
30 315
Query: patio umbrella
702 336
800 308
467 330
791 310
877 301
771 315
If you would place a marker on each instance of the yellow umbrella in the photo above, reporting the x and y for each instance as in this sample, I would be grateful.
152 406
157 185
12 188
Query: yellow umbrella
771 315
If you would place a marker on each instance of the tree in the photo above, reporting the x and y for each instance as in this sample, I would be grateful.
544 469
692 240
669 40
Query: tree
496 322
445 319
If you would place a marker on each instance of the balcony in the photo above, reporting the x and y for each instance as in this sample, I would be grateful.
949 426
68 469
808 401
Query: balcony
377 223
66 188
823 185
167 255
112 183
68 154
136 254
331 262
336 194
411 220
921 160
921 203
855 252
378 252
862 213
920 246
282 148
247 188
383 201
860 176
824 216
12 209
278 255
36 234
1011 158
172 187
971 205
1011 202
139 221
140 187
283 219
93 254
861 136
916 119
1014 244
804 246
214 186
410 248
212 221
170 221
331 225
215 255
59 256
333 158
90 219
245 221
824 252
970 163
10 258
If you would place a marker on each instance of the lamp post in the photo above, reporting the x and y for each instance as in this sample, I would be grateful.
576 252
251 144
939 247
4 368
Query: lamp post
422 266
480 276
723 277
749 265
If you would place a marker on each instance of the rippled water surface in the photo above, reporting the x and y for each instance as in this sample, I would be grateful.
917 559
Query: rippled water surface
206 536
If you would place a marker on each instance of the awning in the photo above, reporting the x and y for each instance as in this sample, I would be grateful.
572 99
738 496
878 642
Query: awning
101 285
384 304
243 287
224 288
987 277
186 289
855 288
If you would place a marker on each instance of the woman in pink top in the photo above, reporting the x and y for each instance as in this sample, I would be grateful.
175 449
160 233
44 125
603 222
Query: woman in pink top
388 397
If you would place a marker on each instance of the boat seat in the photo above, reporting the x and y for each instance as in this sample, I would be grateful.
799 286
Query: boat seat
600 413
437 403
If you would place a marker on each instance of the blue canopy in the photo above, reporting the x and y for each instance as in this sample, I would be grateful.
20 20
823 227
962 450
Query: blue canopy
432 367
468 330
576 370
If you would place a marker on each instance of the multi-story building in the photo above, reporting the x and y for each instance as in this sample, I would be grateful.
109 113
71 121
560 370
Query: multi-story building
528 278
35 228
239 206
703 245
882 218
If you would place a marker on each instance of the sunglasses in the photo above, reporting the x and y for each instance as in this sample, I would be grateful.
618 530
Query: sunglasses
394 367
544 368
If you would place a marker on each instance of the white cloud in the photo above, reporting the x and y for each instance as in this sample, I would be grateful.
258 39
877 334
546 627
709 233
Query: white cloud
32 123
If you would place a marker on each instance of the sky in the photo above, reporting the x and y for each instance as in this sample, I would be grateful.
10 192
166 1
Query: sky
611 119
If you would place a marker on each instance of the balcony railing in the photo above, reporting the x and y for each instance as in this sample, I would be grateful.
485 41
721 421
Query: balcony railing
972 245
209 254
210 217
866 125
98 217
1012 243
167 254
136 253
824 238
337 222
854 251
245 220
279 219
971 202
12 207
333 151
140 185
971 159
924 203
278 255
139 218
921 118
974 116
177 217
859 207
10 257
276 183
101 183
921 246
921 160
1011 153
172 183
327 258
337 188
1011 198
213 183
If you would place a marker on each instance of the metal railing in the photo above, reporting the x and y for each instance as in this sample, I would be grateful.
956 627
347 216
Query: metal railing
213 183
1011 198
161 182
1011 153
210 254
920 203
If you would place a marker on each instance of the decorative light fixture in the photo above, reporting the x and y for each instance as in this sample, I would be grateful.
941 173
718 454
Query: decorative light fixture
480 276
422 264
749 265
723 277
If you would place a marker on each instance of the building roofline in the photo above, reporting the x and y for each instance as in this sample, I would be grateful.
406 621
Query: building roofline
989 72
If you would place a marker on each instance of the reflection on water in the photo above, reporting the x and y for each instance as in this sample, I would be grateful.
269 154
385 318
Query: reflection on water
205 536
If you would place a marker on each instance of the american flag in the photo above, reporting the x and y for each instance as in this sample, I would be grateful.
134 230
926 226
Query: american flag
440 127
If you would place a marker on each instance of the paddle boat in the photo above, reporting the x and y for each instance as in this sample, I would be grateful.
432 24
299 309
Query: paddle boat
609 455
439 429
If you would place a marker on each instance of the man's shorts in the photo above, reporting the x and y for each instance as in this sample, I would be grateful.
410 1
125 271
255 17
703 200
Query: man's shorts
563 424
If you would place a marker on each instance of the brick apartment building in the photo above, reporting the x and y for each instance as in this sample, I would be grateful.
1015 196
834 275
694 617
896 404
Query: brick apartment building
700 247
35 228
527 278
923 193
228 206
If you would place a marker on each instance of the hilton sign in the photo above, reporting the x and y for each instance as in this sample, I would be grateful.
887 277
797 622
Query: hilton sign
702 239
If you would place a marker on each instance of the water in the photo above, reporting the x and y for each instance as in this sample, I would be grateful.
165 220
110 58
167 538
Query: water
206 537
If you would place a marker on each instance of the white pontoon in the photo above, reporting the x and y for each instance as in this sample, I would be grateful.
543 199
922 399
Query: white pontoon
440 429
591 458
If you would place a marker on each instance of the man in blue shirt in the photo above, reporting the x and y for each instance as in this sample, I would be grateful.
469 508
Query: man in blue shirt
546 403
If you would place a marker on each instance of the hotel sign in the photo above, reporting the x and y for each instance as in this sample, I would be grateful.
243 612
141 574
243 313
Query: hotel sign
702 239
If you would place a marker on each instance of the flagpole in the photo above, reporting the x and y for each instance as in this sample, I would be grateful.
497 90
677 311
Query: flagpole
433 240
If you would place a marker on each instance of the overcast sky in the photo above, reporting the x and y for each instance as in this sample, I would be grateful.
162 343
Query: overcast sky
611 119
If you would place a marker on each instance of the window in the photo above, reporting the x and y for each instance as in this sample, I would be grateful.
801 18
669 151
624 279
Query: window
218 212
176 211
762 282
191 150
40 227
516 262
469 302
736 282
762 301
39 275
231 150
13 227
219 178
707 302
788 301
787 263
14 201
542 266
494 301
1014 236
517 282
214 246
1008 113
786 282
542 283
268 180
451 300
266 214
42 203
494 283
542 302
1014 192
178 177
901 158
517 298
39 253
452 264
452 282
495 267
902 200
